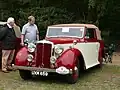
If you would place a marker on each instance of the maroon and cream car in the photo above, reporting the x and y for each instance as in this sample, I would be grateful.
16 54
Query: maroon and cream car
67 49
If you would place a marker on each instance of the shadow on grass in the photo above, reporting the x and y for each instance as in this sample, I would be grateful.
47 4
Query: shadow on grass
61 79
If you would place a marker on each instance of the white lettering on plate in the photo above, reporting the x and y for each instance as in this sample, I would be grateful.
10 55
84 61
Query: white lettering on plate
40 73
65 29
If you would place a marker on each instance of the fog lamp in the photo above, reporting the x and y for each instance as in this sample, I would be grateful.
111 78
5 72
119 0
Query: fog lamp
30 57
52 60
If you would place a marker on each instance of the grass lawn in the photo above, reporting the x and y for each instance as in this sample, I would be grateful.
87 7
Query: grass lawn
107 78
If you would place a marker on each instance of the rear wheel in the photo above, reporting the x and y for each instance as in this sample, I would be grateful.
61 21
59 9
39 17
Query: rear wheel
73 78
26 75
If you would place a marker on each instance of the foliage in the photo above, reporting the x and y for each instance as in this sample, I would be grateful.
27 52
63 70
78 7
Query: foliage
103 13
45 16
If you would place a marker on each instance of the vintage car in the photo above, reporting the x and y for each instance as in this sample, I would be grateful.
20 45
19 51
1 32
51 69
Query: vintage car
67 49
18 40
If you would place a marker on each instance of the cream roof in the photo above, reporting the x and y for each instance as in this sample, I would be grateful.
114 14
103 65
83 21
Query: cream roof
74 25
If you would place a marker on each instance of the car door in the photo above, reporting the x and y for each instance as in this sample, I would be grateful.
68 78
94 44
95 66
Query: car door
92 46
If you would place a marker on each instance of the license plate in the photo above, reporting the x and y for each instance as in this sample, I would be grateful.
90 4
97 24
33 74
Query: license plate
40 73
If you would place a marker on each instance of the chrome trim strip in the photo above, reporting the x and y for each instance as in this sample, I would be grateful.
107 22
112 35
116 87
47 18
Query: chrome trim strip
45 41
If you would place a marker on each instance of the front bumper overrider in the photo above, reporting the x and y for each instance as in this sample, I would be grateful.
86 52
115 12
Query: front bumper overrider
61 70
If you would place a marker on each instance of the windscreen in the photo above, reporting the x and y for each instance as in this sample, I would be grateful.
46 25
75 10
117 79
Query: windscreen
65 32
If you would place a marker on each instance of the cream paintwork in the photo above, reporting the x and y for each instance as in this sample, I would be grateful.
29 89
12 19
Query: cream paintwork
90 52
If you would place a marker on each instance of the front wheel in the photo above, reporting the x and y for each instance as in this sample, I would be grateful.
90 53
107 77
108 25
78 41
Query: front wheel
26 75
73 78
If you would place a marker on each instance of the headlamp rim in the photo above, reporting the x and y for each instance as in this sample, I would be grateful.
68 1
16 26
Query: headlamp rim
31 49
59 48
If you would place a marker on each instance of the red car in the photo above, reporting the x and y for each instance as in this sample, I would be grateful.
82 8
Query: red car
67 50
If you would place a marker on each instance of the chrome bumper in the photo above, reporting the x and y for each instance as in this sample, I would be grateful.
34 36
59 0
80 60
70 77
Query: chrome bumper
38 69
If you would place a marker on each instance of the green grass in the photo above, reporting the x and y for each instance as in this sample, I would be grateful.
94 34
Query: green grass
107 78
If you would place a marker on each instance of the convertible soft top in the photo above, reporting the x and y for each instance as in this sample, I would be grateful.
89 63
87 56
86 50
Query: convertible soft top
74 25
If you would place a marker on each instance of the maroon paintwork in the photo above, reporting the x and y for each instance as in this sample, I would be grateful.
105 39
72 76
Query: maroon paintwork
43 55
64 40
68 59
41 58
21 57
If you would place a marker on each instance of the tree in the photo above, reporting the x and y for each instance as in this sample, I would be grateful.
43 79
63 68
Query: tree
103 13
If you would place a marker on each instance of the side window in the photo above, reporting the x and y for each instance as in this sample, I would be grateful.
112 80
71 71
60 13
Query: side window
90 33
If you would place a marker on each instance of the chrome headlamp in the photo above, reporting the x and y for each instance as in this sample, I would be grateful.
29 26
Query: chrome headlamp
31 47
30 57
59 49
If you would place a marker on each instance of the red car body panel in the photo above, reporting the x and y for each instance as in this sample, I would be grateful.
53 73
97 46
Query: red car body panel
65 40
21 57
68 58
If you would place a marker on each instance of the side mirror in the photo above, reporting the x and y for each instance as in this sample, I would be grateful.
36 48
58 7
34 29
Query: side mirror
74 42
